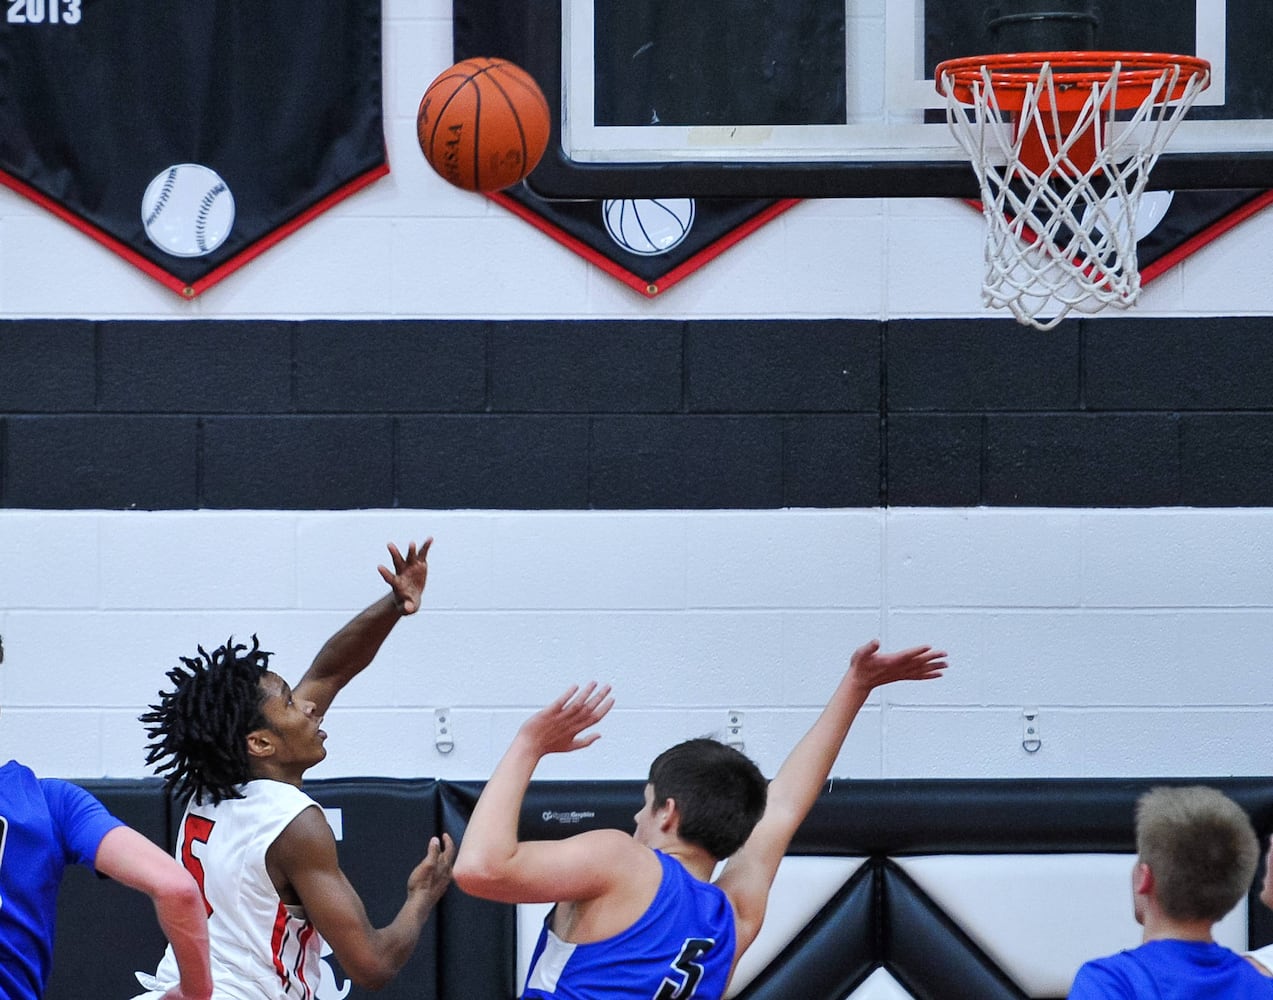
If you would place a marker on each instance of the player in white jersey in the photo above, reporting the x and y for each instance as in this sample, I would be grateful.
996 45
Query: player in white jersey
237 740
261 947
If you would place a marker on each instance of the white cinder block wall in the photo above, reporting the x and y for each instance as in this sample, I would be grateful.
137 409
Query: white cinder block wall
1142 637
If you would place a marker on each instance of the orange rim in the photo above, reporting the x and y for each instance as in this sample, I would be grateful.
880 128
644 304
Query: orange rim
1073 74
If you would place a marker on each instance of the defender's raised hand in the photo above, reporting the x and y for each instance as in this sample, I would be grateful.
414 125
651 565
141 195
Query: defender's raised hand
408 576
557 728
870 668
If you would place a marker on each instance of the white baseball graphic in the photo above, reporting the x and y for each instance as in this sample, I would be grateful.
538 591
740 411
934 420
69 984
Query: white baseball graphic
187 210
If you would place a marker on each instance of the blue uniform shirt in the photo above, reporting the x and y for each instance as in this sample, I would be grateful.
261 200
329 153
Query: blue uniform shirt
682 947
45 824
1172 970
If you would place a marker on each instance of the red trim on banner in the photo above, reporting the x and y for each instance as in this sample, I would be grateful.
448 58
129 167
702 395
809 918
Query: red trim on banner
192 289
1195 242
286 229
661 284
568 241
1200 239
108 241
714 250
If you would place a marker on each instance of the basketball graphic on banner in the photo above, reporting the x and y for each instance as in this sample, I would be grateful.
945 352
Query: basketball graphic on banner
1152 209
648 226
187 210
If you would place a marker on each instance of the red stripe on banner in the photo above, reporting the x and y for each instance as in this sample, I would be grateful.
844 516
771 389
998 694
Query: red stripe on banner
1200 239
714 250
1195 242
568 241
108 241
662 283
260 246
195 288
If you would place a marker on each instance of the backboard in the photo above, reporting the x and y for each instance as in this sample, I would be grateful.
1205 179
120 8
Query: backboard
836 98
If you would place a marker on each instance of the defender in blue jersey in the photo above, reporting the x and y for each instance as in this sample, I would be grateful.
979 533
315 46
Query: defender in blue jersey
46 824
1196 856
638 917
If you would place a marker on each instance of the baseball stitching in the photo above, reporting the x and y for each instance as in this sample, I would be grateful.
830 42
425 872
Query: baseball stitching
201 220
164 194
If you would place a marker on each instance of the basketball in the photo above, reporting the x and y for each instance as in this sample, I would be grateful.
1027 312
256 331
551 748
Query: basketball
483 124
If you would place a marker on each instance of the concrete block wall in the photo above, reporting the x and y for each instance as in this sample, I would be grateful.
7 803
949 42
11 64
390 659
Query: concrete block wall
1082 518
1140 637
700 414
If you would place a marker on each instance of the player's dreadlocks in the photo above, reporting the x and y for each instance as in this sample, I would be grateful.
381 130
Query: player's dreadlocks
201 725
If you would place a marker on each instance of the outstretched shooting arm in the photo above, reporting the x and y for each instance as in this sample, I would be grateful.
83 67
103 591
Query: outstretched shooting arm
352 649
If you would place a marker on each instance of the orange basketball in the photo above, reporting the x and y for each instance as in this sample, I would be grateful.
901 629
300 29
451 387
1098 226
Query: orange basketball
483 124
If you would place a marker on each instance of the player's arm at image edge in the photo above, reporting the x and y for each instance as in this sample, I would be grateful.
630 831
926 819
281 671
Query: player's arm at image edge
130 859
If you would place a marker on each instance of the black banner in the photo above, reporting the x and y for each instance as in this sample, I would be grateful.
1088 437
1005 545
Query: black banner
189 137
647 243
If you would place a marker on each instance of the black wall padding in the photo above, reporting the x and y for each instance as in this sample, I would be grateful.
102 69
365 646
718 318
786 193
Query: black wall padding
833 954
554 810
877 818
1044 816
387 826
1260 917
106 932
927 953
557 809
468 949
478 937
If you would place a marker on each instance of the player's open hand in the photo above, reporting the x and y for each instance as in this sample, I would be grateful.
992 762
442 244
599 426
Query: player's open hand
871 668
559 728
432 875
408 576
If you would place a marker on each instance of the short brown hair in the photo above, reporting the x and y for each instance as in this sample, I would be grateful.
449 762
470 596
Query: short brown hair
719 792
1200 846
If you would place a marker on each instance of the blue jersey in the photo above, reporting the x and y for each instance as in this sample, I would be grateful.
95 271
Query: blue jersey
1172 970
45 824
682 947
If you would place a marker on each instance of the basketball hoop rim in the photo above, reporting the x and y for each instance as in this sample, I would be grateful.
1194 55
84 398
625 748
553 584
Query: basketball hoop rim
1013 73
1064 175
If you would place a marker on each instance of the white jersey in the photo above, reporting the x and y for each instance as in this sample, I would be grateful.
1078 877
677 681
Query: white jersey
1264 956
261 948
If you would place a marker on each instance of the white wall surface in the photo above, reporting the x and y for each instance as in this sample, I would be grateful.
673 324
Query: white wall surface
1141 637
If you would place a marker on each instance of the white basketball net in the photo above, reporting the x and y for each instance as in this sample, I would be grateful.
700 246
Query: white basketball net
1064 238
